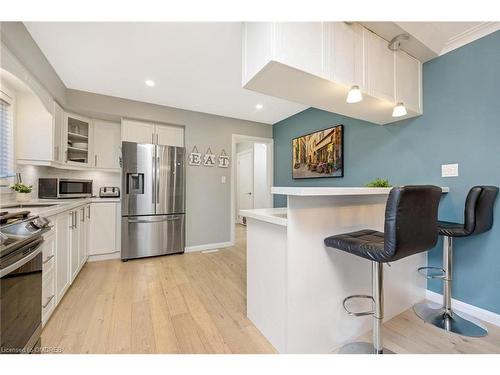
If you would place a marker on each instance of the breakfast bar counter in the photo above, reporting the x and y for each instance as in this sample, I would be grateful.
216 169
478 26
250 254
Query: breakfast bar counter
295 285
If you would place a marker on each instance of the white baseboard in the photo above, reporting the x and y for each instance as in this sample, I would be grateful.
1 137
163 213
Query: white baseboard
208 246
96 258
476 312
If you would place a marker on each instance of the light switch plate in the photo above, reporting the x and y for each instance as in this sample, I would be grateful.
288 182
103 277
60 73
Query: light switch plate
449 170
223 180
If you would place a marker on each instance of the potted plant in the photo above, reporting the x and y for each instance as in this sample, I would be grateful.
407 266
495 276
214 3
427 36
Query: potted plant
379 182
23 192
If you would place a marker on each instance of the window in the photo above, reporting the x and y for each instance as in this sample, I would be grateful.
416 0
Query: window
6 138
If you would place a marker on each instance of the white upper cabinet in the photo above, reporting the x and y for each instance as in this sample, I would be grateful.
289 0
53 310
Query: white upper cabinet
145 132
379 67
409 81
344 53
295 44
300 45
106 145
137 131
77 138
169 135
257 47
33 129
58 125
316 63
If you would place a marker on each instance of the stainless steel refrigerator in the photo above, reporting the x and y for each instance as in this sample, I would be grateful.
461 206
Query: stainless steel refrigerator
153 200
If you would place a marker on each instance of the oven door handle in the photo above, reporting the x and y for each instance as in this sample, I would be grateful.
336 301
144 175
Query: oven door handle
34 249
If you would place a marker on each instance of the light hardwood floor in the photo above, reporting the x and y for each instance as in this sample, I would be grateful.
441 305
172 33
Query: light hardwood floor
195 303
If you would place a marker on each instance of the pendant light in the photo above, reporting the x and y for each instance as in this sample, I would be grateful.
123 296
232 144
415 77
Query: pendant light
354 95
399 110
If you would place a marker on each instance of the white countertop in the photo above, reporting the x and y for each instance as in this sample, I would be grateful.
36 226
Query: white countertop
276 216
57 205
316 191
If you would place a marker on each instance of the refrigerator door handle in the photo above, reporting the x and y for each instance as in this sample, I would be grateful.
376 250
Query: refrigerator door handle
153 181
157 220
158 180
175 217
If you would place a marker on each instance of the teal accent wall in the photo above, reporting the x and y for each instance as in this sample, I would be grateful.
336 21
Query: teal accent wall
461 124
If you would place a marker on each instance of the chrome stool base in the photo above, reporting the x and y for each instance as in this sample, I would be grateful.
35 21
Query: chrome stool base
361 348
458 322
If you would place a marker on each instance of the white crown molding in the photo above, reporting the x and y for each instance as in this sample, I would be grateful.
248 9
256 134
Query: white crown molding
470 35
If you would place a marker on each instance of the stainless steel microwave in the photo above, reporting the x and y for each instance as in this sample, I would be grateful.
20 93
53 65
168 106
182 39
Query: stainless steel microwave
55 188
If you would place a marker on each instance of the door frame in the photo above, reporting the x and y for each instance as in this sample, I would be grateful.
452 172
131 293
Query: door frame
236 192
237 138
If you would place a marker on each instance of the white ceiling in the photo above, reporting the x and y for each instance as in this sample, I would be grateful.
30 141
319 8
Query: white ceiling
195 66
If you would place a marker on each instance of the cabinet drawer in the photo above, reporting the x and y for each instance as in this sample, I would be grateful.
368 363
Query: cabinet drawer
48 295
49 252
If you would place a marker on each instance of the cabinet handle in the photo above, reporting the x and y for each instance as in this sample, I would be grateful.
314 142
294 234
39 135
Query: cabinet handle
48 258
76 219
95 160
88 212
83 214
48 301
72 225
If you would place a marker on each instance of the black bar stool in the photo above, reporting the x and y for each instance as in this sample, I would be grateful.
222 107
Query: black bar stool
478 218
410 227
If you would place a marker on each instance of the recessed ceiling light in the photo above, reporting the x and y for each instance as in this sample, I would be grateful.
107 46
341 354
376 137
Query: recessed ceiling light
149 83
259 106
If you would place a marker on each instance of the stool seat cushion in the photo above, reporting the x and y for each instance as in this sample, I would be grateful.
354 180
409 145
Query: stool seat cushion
450 229
365 243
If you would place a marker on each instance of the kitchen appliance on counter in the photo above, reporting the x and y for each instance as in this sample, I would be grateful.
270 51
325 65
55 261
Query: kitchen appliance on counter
153 202
55 188
21 285
109 192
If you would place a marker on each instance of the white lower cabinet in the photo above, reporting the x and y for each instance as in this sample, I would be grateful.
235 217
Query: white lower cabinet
84 234
104 226
78 240
48 275
63 222
74 244
91 228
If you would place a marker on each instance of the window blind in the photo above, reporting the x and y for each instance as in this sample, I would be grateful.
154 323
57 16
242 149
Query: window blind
6 140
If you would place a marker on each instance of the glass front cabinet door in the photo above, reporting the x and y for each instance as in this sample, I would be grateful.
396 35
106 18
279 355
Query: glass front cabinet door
78 132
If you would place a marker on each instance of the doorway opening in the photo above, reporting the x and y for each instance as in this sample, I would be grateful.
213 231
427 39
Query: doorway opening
251 177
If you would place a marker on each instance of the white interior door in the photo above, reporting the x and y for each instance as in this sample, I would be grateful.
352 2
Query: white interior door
244 181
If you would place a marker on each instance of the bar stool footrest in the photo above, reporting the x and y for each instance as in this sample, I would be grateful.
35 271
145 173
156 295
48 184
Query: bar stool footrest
424 271
360 313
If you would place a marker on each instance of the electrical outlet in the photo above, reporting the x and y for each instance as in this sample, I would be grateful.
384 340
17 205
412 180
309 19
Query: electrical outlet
449 170
223 180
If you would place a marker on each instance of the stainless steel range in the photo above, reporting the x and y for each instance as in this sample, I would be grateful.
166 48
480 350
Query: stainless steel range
21 284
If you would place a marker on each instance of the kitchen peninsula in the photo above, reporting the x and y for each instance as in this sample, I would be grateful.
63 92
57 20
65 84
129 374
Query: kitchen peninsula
295 285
